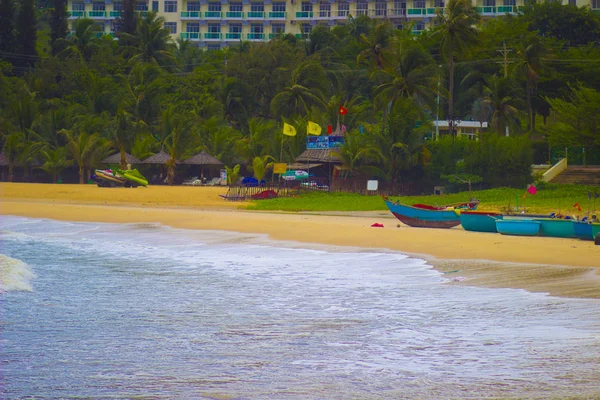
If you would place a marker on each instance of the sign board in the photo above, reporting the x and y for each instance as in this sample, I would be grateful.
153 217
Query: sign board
279 168
324 142
372 185
223 177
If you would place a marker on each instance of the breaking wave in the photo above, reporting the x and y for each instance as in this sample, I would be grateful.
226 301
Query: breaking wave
15 275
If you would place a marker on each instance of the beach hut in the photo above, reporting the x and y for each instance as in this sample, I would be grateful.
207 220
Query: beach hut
203 159
116 159
159 158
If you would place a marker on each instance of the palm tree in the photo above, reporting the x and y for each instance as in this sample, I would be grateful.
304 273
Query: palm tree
376 45
177 142
260 166
123 129
354 153
12 148
530 63
259 140
303 92
82 41
498 96
456 32
55 160
152 42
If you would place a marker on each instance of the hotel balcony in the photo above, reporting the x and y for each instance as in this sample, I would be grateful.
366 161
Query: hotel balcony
114 14
213 15
304 14
190 35
256 15
76 14
276 35
507 9
187 15
97 14
234 15
416 12
255 36
233 36
212 36
278 15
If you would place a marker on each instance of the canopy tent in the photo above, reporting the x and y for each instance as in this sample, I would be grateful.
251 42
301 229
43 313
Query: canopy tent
159 158
116 159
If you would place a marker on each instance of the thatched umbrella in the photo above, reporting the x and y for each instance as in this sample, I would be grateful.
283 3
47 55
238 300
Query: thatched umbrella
202 159
116 159
159 158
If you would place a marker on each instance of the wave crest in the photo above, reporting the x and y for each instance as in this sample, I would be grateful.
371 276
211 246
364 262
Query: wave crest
15 275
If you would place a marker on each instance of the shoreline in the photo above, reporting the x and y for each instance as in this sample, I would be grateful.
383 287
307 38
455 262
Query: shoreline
559 267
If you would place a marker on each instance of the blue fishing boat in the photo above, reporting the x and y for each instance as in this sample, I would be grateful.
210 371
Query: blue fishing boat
479 221
583 230
423 216
557 227
518 227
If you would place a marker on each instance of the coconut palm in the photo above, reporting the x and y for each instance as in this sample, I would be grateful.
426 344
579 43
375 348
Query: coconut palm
529 65
55 160
152 42
123 129
83 40
498 95
259 140
375 46
304 91
177 143
456 32
12 148
260 166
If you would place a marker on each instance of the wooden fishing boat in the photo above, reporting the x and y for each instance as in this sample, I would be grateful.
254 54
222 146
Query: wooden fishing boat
583 230
518 227
479 221
424 216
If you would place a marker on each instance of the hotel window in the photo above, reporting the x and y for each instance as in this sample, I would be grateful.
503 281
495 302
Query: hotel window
489 3
399 7
170 6
142 6
235 28
510 2
418 3
192 27
306 7
115 26
257 28
325 10
362 8
171 27
214 28
278 28
155 6
236 7
278 7
78 7
399 26
595 4
305 29
214 7
381 8
343 9
193 6
117 6
419 26
98 6
572 2
439 4
257 7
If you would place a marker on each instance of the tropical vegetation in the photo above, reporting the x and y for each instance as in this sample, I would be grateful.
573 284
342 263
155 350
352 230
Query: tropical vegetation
70 98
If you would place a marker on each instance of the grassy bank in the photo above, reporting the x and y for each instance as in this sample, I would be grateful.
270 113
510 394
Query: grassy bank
549 198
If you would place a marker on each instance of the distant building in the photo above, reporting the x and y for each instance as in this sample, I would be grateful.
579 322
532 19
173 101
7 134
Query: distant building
470 129
215 24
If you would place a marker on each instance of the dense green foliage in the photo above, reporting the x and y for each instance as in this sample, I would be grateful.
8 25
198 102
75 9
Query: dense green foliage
86 95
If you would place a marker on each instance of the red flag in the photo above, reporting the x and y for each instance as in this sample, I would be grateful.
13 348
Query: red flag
343 110
532 189
329 129
576 205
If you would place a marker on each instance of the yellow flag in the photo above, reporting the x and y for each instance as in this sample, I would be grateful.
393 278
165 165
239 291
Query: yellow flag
313 129
289 130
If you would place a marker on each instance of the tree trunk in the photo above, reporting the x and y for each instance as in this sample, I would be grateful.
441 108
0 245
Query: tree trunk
529 107
123 161
451 90
81 175
11 168
171 174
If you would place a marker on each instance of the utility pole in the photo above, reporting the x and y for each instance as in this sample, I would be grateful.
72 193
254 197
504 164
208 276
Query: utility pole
505 62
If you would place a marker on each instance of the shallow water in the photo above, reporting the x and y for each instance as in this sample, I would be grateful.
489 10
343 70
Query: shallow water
122 311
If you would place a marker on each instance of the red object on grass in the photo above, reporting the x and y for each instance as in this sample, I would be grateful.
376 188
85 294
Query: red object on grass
377 225
343 110
532 189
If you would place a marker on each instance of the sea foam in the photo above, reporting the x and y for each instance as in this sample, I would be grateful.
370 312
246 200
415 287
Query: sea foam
15 275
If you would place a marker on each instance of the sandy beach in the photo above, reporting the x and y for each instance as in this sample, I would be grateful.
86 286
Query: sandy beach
560 267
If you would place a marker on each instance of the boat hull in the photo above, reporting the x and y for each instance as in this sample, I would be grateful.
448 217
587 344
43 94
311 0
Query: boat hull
595 229
479 221
583 230
555 227
518 227
423 218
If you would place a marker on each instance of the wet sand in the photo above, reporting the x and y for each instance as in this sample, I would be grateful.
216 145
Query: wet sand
561 267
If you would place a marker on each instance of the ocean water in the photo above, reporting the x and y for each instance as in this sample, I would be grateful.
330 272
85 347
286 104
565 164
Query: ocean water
146 311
